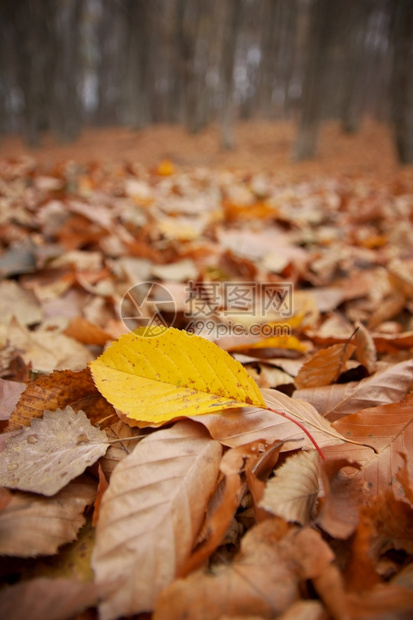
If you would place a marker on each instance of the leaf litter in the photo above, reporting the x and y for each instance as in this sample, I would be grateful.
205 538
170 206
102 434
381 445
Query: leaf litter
213 502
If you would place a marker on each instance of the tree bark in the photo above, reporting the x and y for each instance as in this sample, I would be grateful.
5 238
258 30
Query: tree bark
402 90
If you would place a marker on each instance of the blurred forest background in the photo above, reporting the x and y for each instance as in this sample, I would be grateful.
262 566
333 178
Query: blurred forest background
67 64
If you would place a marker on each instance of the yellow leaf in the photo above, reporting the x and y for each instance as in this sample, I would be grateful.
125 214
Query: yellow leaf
274 342
168 373
165 168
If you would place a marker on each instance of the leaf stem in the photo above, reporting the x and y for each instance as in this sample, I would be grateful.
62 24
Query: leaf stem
309 435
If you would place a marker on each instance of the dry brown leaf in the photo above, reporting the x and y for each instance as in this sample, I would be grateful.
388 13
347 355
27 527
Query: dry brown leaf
303 610
383 602
10 392
343 497
32 525
254 459
151 514
389 428
5 497
84 331
61 445
102 486
263 580
365 348
388 309
330 588
241 426
15 301
56 391
385 386
47 599
292 492
122 434
48 351
324 367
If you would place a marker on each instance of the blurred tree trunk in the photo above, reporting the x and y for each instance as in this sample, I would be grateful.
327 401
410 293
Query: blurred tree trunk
402 83
355 15
31 40
138 63
313 87
232 27
64 27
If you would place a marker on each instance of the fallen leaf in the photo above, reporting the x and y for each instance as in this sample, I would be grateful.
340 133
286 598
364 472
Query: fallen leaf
15 301
343 496
385 386
389 429
47 599
102 486
32 525
325 366
61 443
10 392
384 602
56 391
156 379
48 351
237 427
86 332
366 349
264 578
126 438
151 514
292 492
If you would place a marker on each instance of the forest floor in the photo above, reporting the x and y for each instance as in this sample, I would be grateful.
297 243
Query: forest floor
264 469
260 146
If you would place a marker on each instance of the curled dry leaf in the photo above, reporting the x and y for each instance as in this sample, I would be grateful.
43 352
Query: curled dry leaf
263 580
366 349
32 525
84 331
292 492
343 497
61 445
252 458
151 514
10 392
47 599
385 386
325 366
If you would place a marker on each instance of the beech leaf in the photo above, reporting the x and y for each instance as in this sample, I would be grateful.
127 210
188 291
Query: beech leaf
47 599
159 378
389 428
324 366
241 426
61 445
292 492
385 386
151 514
32 525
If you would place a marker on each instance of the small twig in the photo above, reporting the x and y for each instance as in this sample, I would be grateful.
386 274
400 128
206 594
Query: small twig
106 418
136 438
